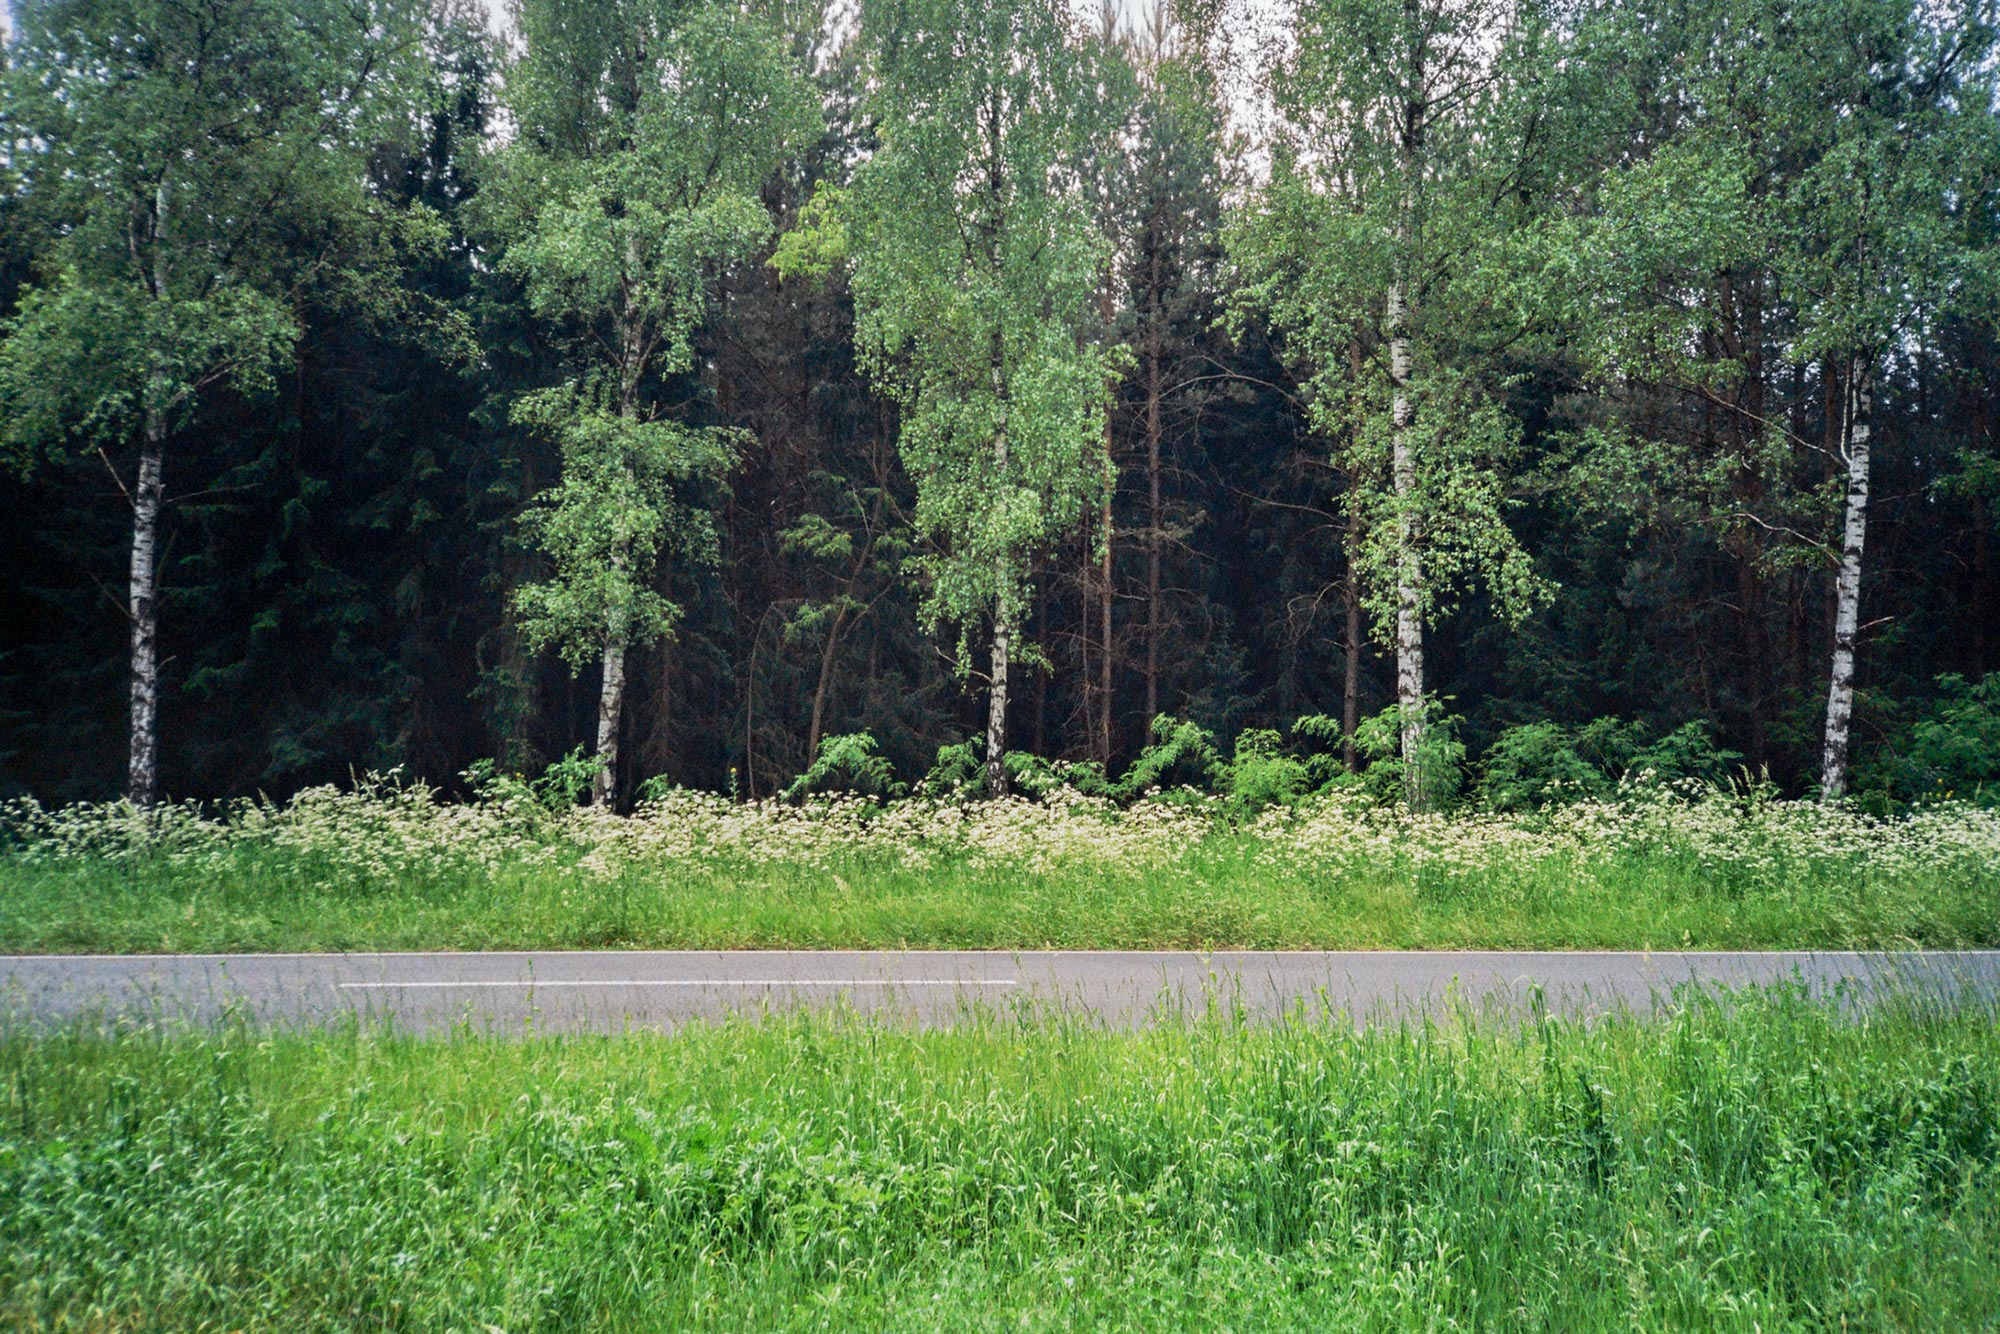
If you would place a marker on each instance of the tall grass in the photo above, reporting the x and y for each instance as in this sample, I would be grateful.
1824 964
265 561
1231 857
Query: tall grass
1763 1164
389 867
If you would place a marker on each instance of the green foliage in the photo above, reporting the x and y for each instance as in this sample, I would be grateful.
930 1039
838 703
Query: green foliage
1947 748
646 132
1261 773
1689 752
1180 755
389 867
630 491
1756 1161
175 157
847 763
1536 764
1378 741
1320 740
1351 209
957 773
565 781
975 264
561 785
960 775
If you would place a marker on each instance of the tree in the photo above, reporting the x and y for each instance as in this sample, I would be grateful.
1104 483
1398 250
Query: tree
647 129
200 166
1175 274
1407 137
1803 215
976 268
1880 247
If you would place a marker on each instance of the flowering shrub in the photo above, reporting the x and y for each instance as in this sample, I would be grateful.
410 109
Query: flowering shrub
386 831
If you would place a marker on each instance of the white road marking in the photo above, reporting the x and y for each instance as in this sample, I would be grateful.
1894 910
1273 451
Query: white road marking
705 982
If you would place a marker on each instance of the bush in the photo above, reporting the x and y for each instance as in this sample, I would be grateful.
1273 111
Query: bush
1182 754
849 762
1379 740
1687 752
561 785
955 774
1263 774
1534 764
1538 763
1949 748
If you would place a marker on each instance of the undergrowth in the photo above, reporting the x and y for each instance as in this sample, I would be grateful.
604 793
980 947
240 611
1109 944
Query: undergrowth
391 866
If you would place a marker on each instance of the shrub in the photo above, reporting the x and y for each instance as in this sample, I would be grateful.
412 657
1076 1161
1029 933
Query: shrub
1950 747
1379 741
1687 752
955 774
1182 754
1538 763
1263 774
850 762
1534 764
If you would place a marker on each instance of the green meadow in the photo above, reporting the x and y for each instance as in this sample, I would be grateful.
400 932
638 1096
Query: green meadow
1761 1162
388 867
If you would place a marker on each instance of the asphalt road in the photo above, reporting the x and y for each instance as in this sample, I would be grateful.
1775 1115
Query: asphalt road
612 991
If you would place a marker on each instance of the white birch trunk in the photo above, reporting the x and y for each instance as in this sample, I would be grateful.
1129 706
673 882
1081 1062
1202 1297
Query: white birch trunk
142 780
1402 301
1847 596
1106 570
617 627
1003 626
610 717
143 769
996 708
1409 567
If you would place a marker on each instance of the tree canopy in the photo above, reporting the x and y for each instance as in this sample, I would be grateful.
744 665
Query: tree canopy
1432 389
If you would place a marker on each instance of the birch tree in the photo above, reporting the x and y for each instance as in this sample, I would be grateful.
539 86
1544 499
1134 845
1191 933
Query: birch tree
1881 251
647 129
976 265
199 167
1403 144
1822 177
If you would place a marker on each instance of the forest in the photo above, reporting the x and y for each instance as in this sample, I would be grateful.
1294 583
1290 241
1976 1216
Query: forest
1468 388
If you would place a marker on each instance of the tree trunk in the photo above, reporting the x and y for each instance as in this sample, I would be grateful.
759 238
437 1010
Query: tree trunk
996 707
1154 517
1409 568
824 689
825 686
1401 310
610 714
1105 663
1003 617
617 628
143 770
1350 596
1847 595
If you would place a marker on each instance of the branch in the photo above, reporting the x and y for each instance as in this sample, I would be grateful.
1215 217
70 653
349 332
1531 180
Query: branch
118 481
111 597
1792 533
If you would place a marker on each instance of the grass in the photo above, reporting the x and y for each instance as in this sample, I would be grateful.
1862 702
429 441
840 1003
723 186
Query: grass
1221 894
387 867
1763 1164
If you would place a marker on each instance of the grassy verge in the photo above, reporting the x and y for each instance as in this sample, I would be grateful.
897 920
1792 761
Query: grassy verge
1767 1166
393 869
1222 898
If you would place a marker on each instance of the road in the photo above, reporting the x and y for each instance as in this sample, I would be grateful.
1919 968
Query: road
611 991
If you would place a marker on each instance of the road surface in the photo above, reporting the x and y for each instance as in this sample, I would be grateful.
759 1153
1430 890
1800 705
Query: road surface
611 991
